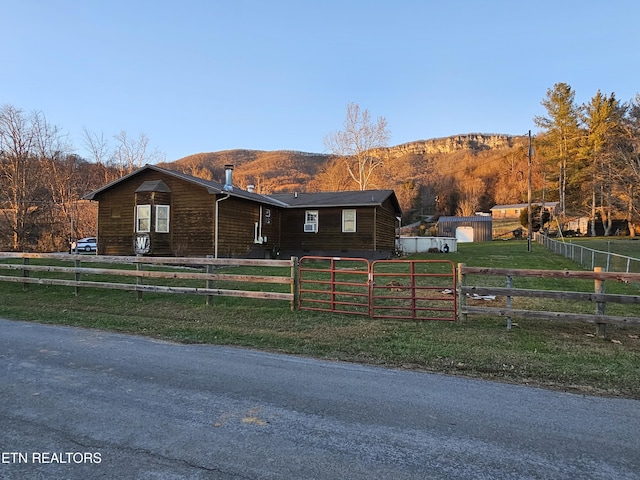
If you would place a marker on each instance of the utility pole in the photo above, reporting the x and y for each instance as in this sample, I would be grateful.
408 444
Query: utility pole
530 219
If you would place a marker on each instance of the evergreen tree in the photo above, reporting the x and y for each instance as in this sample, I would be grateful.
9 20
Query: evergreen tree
603 118
561 136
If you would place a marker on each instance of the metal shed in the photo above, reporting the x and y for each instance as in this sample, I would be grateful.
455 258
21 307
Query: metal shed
478 228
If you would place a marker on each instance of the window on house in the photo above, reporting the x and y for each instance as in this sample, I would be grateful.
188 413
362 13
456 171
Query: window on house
348 221
162 218
143 218
311 221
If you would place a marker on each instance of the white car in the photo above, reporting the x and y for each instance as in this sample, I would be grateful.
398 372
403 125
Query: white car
89 244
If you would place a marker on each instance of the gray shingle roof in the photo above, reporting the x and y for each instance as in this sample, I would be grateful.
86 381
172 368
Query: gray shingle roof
296 200
334 199
211 186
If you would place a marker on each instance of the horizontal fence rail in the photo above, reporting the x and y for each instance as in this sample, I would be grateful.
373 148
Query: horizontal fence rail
68 270
480 293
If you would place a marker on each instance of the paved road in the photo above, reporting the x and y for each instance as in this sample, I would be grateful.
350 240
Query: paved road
119 406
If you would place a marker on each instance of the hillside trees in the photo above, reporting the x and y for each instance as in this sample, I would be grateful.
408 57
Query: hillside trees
42 184
596 149
470 193
361 145
332 176
626 165
25 142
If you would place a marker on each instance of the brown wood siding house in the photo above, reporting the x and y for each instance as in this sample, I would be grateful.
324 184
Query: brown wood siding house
155 211
177 214
352 223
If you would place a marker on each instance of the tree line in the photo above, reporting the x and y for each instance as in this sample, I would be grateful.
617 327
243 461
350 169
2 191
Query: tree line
587 158
42 182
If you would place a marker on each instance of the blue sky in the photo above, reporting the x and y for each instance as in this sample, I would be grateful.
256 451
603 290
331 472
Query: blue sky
201 76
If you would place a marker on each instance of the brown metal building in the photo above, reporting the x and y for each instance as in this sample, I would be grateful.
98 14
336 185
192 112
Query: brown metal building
161 212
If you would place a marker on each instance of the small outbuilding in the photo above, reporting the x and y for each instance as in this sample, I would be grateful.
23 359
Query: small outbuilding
476 228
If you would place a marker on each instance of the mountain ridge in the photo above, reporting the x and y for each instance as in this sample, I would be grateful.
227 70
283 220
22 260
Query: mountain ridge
418 171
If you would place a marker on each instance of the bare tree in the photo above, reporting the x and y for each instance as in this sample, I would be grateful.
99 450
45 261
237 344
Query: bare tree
131 153
20 175
332 176
361 144
470 193
100 153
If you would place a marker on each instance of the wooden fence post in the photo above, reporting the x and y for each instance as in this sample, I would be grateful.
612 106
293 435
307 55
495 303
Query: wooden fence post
462 298
209 283
76 289
295 286
509 285
138 278
601 328
25 273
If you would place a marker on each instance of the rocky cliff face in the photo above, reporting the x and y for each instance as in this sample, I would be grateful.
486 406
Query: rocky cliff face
475 142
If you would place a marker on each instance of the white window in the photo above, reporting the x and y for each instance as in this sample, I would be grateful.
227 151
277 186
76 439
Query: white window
348 221
311 221
143 218
162 218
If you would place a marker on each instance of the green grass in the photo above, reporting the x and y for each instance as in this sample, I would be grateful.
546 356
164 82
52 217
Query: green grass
627 246
563 355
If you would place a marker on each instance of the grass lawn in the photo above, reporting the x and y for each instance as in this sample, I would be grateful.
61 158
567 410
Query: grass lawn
562 355
627 246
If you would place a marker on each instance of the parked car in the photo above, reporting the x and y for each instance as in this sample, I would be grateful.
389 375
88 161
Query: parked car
89 244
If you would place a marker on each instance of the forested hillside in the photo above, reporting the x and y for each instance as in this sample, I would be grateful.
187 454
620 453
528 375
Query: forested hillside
586 157
462 173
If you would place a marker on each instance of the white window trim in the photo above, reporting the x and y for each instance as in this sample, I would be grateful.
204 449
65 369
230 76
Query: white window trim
313 220
344 220
158 208
138 218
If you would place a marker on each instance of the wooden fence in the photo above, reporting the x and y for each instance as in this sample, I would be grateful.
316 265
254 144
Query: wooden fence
598 297
199 269
71 270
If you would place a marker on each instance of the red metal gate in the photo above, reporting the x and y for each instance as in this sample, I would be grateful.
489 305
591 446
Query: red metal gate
413 290
400 289
334 284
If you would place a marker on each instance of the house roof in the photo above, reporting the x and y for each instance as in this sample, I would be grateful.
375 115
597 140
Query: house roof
472 218
214 188
523 205
359 198
293 200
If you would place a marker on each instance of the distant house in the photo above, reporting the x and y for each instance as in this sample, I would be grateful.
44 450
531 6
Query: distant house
513 211
161 212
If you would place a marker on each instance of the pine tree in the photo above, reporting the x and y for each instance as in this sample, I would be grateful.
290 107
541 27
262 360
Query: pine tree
561 136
